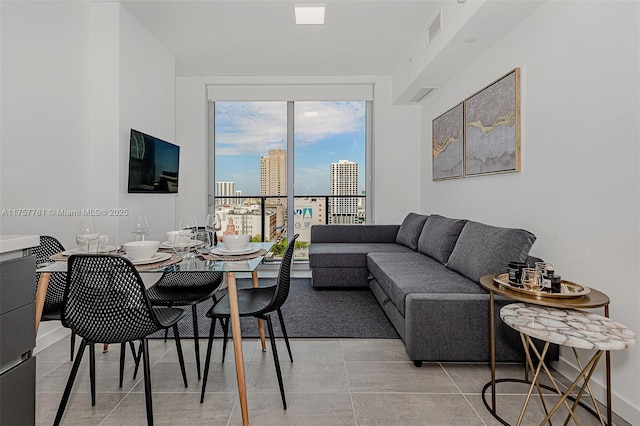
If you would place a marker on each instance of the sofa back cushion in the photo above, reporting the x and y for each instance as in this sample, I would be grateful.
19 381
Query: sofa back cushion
484 249
410 230
439 236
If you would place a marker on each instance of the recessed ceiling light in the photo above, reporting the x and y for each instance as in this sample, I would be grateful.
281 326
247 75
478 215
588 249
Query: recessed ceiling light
309 15
310 113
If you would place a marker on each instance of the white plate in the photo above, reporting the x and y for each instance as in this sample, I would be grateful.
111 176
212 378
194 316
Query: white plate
73 251
168 245
224 251
158 257
77 250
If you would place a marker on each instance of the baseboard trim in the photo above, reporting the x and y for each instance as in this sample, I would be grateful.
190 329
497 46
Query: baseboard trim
622 409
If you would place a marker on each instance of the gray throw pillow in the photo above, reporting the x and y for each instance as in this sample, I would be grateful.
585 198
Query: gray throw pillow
484 249
439 236
410 230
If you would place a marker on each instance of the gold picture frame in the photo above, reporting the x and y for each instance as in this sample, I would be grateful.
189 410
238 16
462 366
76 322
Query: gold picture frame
492 127
447 144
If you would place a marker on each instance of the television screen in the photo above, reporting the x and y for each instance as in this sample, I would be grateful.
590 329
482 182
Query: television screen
153 164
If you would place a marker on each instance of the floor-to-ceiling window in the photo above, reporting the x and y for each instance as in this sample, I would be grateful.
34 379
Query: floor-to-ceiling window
280 167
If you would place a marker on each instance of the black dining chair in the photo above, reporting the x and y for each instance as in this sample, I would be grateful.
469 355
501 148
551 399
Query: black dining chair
257 302
105 301
184 289
52 310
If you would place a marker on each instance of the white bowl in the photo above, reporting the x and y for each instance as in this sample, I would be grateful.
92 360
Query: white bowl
137 250
171 236
236 242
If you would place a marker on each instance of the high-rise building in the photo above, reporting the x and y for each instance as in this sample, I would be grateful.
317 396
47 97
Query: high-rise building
344 181
273 173
222 189
273 181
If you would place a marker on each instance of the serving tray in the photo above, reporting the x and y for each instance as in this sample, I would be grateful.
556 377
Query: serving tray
568 289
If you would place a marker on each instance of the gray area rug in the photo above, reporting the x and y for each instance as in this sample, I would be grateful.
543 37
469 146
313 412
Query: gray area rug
309 312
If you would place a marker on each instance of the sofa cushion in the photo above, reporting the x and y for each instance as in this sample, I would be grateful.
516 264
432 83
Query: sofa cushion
400 274
347 255
484 249
439 236
410 230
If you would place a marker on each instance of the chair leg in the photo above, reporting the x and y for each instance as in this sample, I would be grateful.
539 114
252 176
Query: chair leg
276 361
72 378
284 333
180 357
92 372
136 358
123 348
166 334
207 361
225 332
144 348
73 343
194 314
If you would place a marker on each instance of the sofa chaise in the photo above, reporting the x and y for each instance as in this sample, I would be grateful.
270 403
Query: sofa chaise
425 274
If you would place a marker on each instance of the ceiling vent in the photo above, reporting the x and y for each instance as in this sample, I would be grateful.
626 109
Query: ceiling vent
421 94
435 27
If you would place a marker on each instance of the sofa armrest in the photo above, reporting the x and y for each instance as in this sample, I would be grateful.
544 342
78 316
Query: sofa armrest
354 233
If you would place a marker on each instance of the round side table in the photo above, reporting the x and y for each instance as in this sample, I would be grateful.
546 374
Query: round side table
567 327
594 299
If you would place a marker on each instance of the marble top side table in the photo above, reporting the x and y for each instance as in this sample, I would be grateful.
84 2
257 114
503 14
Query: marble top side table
567 327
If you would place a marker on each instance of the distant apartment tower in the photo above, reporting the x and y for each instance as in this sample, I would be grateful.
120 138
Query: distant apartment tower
273 173
344 181
273 181
225 188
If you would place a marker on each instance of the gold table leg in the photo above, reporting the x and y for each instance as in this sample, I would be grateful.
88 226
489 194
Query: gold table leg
256 283
237 346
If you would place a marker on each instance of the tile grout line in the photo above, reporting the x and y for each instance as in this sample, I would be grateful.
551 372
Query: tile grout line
462 393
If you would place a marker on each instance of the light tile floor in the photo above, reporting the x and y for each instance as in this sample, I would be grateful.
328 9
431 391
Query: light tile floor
330 382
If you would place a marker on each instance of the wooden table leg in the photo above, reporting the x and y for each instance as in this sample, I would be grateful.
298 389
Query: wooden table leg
237 346
254 278
41 292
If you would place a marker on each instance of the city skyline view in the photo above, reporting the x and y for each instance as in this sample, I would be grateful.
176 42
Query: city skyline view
325 133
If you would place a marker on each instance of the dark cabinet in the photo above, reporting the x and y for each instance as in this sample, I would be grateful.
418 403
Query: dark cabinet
17 339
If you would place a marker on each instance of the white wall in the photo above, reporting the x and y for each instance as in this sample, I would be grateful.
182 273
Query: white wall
580 154
396 143
147 103
45 115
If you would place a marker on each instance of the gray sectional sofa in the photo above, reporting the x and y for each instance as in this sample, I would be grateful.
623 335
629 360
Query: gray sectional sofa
425 274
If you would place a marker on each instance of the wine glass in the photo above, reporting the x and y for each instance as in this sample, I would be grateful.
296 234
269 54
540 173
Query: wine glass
87 232
210 226
139 227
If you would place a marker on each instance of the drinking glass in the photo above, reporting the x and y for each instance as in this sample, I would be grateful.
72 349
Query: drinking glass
107 245
139 227
87 232
204 237
210 225
186 233
531 279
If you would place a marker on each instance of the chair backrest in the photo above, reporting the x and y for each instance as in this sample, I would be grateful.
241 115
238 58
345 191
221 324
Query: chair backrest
105 300
55 291
182 281
284 277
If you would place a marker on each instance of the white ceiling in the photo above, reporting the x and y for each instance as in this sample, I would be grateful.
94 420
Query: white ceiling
248 38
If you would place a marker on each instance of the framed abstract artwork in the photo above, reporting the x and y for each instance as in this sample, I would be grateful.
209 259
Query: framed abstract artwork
492 127
447 144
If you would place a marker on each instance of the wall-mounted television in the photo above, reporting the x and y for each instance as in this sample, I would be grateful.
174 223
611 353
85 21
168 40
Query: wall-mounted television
153 164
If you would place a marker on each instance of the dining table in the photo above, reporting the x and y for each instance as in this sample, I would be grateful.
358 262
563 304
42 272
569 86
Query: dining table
216 260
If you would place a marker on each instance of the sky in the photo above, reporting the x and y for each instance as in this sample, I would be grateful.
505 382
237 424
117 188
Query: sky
325 132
